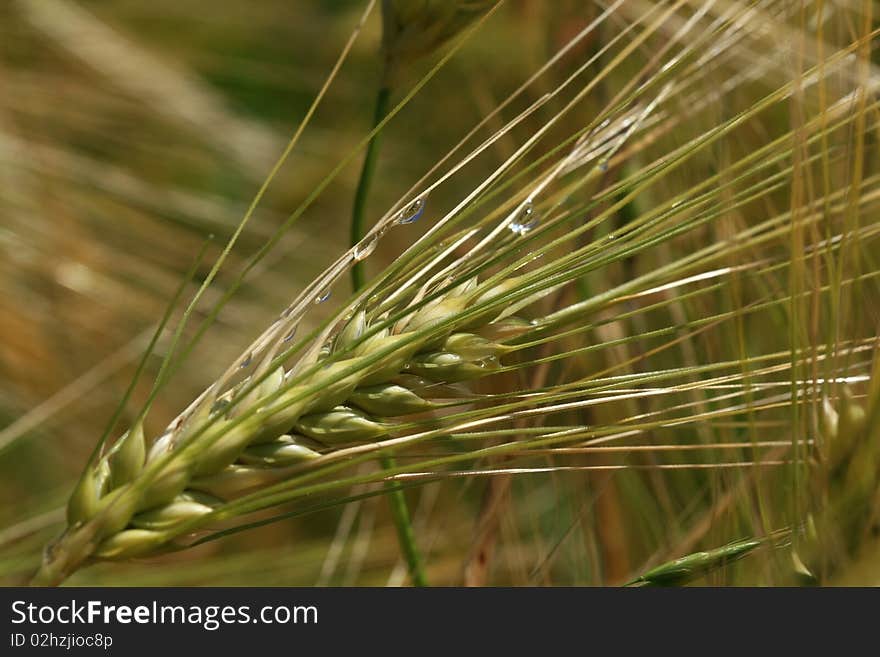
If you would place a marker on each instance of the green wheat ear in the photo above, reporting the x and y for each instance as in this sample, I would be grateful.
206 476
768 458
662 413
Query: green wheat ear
134 500
698 564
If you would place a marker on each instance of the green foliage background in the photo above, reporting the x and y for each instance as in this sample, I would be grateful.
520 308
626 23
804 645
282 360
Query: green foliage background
131 130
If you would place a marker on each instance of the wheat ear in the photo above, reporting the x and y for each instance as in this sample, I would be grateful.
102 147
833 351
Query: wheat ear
130 501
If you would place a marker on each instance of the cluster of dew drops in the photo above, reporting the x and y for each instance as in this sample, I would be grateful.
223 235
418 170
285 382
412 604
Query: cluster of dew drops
526 219
361 251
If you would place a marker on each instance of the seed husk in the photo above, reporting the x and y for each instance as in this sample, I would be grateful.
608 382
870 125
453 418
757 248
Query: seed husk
445 366
286 450
184 507
389 400
129 544
127 458
340 426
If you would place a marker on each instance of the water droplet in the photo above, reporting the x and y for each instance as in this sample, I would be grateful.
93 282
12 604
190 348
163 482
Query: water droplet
323 296
603 164
525 220
289 336
365 247
412 212
247 361
287 312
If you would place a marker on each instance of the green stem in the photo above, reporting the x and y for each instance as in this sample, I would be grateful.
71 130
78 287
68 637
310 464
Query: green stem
366 179
397 500
405 534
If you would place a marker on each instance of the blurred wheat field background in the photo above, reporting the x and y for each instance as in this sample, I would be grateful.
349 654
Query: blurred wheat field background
641 293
